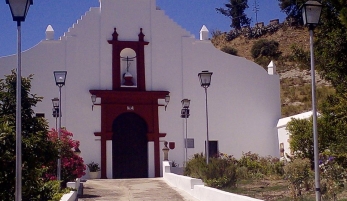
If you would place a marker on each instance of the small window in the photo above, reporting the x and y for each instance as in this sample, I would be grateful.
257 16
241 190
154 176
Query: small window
282 150
190 143
213 148
41 115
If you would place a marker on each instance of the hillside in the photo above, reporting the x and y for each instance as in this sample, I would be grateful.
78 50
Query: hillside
295 79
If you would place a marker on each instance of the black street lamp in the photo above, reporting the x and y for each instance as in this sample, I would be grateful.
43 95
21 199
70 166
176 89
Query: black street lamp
60 77
311 12
19 10
55 102
93 100
205 81
185 114
167 100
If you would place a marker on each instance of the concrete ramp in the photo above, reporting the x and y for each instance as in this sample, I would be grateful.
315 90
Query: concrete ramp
152 189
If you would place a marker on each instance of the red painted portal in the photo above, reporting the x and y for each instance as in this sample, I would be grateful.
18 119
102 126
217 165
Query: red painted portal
123 99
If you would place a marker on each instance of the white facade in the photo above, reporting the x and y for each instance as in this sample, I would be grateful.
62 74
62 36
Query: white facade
243 99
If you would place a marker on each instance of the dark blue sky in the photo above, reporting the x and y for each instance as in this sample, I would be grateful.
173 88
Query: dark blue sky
61 14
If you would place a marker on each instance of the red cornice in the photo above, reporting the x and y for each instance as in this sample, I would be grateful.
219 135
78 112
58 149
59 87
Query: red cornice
126 97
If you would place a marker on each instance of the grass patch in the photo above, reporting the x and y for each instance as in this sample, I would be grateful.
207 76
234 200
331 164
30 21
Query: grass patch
264 178
268 190
296 96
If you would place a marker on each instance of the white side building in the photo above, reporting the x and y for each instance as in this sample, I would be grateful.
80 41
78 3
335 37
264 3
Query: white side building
126 128
284 135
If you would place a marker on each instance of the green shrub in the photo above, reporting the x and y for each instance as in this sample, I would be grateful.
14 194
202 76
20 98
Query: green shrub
298 173
219 173
242 173
265 48
94 167
51 191
224 170
216 32
229 50
253 166
263 61
333 176
196 167
300 56
250 161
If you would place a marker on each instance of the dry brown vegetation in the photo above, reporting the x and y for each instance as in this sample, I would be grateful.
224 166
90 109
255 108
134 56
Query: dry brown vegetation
295 80
274 190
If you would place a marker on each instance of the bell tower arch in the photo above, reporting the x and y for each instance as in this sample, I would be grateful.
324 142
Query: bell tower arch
122 55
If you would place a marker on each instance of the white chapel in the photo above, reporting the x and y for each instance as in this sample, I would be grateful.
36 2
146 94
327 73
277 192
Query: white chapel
130 56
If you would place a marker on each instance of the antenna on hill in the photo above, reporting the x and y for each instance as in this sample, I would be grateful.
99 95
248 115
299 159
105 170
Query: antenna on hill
256 10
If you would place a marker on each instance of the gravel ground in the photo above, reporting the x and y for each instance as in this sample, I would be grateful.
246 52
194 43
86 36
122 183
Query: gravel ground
153 189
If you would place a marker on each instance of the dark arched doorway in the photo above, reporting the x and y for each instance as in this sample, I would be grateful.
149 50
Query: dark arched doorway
129 147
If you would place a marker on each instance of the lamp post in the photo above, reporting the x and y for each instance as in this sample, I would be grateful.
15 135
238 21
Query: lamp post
167 100
19 10
93 100
55 102
311 12
185 114
60 77
205 81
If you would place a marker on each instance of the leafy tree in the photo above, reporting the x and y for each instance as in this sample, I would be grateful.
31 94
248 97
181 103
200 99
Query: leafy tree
341 7
292 9
301 139
301 57
334 111
331 46
36 150
331 41
235 10
332 131
331 61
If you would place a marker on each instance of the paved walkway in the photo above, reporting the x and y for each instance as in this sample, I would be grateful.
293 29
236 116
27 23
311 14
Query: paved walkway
153 189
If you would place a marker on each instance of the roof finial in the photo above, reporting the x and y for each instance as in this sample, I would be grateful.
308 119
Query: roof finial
271 68
49 33
115 35
141 35
204 33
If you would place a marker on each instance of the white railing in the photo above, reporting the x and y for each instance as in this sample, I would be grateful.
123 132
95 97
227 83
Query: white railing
197 189
73 194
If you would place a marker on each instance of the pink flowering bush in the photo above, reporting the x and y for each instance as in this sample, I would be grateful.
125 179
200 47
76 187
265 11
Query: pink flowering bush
72 165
